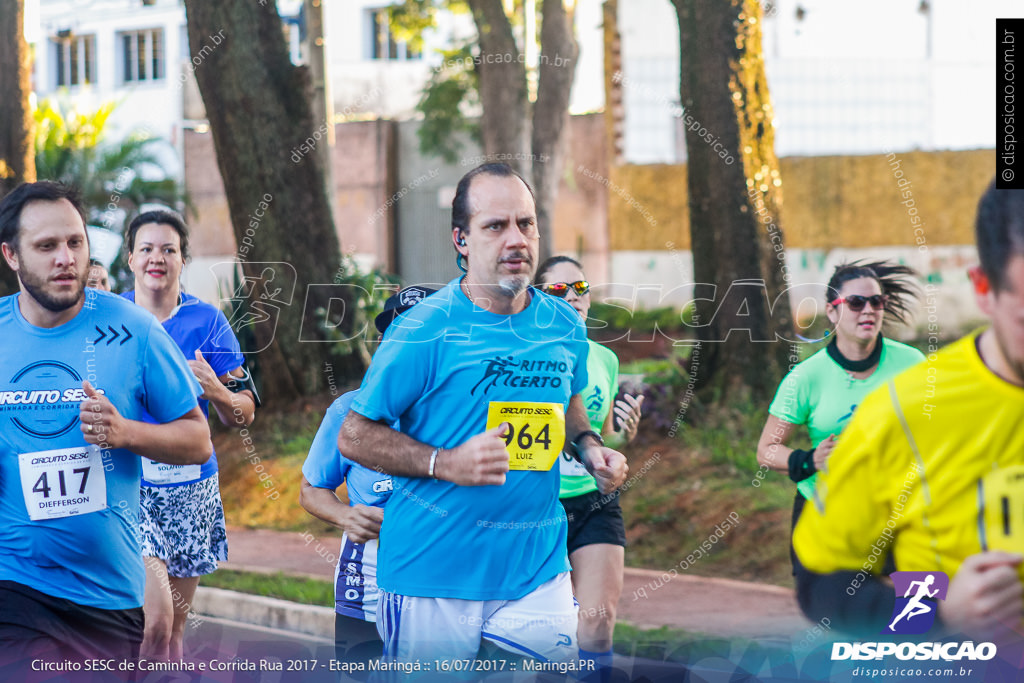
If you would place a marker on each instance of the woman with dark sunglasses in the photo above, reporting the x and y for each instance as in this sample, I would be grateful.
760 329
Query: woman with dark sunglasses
597 535
823 391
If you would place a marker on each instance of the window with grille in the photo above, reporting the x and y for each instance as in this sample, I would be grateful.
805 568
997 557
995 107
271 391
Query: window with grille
75 60
142 55
381 43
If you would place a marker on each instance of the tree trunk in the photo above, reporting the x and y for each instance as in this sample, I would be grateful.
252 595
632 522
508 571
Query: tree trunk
558 57
502 73
17 153
734 196
258 106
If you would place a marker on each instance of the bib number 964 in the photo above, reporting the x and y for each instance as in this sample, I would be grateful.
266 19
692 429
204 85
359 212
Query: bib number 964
536 435
525 440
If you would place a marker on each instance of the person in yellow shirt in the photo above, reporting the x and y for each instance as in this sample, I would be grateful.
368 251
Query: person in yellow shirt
926 467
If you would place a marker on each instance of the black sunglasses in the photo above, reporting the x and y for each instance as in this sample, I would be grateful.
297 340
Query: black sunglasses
856 302
560 289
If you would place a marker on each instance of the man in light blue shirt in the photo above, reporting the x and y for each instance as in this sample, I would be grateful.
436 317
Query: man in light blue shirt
483 379
79 370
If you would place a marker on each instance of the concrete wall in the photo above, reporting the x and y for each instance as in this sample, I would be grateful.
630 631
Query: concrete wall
629 223
377 220
913 207
828 202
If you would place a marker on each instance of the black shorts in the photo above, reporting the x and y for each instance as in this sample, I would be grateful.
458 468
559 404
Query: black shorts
594 518
356 640
34 625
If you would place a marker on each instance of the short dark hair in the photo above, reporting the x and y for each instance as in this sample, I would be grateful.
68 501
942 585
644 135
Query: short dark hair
999 231
44 190
460 204
894 279
165 217
551 263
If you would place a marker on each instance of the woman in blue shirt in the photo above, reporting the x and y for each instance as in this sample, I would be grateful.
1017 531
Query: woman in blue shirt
182 518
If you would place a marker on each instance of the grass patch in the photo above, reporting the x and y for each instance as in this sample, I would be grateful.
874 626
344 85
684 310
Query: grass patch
280 585
260 477
673 645
692 483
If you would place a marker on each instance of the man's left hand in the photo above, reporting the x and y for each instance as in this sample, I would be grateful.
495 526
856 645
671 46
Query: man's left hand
607 465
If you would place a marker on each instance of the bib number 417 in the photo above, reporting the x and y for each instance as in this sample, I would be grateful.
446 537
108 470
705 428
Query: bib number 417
42 484
63 483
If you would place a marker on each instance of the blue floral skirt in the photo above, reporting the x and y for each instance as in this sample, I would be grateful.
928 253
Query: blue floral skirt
184 527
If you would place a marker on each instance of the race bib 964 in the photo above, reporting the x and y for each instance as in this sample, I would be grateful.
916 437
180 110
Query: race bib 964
63 482
537 434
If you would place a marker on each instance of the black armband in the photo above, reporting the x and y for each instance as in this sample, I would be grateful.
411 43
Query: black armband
801 464
244 383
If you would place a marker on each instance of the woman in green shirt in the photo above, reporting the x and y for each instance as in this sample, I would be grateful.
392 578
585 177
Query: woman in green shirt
597 536
823 391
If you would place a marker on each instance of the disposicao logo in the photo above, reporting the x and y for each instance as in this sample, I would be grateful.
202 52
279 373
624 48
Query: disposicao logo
914 613
916 605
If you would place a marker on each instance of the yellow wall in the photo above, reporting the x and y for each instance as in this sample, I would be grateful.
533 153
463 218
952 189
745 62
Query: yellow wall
828 202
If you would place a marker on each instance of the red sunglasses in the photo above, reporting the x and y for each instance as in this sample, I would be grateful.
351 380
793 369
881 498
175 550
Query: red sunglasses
560 289
856 302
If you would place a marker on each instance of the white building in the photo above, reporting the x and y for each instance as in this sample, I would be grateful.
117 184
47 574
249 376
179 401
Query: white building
844 79
89 53
137 53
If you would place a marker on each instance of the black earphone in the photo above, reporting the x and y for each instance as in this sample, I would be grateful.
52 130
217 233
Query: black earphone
461 241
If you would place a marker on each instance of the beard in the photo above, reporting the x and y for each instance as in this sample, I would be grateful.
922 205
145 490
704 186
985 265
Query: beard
55 303
513 285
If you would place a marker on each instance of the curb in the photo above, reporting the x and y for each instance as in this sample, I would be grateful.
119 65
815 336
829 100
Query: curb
267 612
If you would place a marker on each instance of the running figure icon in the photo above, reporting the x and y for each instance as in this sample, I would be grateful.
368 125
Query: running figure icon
915 607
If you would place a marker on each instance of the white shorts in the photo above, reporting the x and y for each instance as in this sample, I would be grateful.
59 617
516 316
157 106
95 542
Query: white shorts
541 625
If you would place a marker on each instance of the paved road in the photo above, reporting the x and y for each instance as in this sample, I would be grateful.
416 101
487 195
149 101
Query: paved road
237 653
650 599
240 653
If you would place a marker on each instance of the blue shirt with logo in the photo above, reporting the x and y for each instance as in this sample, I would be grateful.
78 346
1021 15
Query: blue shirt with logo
355 578
440 365
196 325
92 558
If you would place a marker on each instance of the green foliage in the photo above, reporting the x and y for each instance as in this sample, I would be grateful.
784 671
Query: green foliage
729 433
452 88
411 18
667 404
673 645
116 178
666 318
371 289
280 585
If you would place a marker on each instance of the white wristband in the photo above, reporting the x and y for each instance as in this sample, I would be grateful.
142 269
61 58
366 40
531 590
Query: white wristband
433 461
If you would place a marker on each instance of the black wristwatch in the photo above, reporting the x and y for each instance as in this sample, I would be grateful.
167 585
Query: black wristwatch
576 443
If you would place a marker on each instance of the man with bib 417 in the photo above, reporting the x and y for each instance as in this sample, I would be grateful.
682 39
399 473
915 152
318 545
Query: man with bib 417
483 379
79 368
